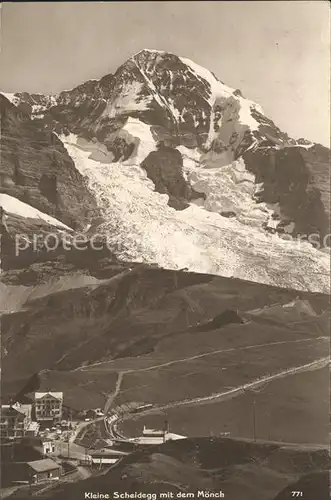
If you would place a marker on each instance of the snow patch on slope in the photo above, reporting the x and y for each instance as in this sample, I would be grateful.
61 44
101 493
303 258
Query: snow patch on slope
142 131
217 88
245 115
156 51
14 206
227 188
10 96
133 130
236 109
127 101
156 95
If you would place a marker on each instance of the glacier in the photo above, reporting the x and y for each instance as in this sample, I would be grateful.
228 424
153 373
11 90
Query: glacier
140 226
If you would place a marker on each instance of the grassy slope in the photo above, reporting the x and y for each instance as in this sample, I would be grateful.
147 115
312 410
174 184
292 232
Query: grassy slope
291 409
151 311
138 320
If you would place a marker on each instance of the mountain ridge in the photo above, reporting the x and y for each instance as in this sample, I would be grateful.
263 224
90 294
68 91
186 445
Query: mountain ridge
163 140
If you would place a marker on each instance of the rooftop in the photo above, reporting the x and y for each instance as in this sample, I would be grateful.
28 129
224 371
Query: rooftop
158 439
106 451
43 465
25 408
149 440
57 395
171 436
33 426
7 410
153 432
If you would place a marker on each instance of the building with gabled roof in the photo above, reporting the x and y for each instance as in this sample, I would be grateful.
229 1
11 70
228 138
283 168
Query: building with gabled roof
58 395
43 470
157 436
106 456
15 420
48 406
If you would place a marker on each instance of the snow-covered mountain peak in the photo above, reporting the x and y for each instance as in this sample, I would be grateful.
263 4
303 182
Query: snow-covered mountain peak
147 51
163 141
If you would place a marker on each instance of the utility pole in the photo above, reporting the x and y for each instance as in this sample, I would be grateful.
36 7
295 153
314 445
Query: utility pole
175 280
269 431
254 419
70 418
86 455
166 430
253 393
3 218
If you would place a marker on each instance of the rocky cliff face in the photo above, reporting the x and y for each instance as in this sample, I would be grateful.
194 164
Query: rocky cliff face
37 170
165 169
172 158
295 182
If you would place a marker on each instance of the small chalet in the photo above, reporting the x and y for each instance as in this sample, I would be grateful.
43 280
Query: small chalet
156 436
105 456
43 470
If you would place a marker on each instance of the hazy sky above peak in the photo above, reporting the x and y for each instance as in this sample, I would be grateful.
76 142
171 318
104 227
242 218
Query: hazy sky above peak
276 52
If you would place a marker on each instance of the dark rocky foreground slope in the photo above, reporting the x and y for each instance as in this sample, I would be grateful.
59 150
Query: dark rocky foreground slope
242 470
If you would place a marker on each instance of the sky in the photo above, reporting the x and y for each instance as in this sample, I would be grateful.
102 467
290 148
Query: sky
276 52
